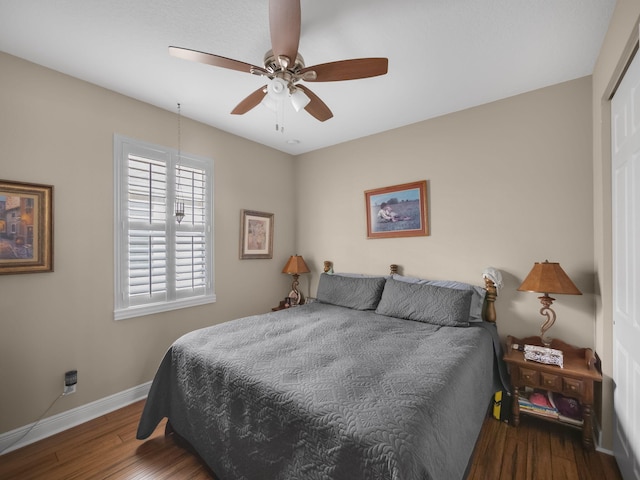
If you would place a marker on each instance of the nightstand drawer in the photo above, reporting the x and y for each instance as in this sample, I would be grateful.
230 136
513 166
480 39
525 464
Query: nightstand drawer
572 386
551 381
528 377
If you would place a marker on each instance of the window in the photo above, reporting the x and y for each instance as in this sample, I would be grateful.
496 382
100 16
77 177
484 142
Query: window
161 264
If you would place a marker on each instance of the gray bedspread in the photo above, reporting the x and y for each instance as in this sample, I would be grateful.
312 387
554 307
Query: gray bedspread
326 392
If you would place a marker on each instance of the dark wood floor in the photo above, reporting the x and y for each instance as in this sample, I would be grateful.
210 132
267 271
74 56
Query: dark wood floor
106 448
537 450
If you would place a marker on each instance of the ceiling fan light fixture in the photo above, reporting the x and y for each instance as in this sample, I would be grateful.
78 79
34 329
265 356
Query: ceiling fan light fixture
299 99
269 102
277 91
277 88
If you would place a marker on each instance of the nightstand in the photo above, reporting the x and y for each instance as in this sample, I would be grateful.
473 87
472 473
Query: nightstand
575 380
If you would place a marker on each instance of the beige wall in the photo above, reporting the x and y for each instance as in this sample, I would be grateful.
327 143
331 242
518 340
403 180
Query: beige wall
616 51
58 130
510 183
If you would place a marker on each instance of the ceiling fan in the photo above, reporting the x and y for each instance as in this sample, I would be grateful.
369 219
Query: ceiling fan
284 66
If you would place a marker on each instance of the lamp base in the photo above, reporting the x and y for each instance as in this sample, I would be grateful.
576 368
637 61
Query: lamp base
296 296
548 312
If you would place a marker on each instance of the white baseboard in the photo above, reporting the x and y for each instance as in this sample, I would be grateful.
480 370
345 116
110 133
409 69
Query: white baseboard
605 451
597 433
65 420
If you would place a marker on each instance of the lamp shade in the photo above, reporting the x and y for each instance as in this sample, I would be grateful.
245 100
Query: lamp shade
548 277
295 265
299 99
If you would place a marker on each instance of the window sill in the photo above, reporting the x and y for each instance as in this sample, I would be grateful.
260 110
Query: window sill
143 310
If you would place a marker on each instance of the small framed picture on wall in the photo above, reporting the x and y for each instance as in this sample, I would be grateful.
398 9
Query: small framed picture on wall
256 234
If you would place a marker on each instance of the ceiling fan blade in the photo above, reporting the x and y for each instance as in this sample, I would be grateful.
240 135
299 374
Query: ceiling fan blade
249 102
284 25
347 69
316 107
211 59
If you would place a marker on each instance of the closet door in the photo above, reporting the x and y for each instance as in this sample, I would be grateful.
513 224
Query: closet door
625 139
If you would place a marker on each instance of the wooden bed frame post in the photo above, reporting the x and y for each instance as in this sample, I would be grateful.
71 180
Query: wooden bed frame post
489 310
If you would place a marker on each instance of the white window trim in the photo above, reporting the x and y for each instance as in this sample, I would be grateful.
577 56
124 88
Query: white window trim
122 148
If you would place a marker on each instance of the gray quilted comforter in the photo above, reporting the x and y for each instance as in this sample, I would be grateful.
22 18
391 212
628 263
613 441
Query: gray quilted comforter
326 392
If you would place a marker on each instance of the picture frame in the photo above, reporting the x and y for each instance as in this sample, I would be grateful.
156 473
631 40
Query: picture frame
397 211
256 234
26 227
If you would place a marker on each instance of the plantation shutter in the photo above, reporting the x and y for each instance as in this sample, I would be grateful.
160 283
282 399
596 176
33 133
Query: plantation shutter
161 264
190 241
147 246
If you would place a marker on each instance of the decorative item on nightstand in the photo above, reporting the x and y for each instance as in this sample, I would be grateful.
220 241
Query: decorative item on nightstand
548 277
295 266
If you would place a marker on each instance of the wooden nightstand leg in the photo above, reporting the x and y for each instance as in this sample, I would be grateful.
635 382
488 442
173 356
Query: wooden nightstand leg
515 407
587 427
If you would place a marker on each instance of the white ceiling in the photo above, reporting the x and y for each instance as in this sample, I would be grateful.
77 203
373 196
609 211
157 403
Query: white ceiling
444 55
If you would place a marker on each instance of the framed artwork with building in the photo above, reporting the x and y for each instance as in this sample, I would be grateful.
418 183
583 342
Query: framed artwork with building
26 227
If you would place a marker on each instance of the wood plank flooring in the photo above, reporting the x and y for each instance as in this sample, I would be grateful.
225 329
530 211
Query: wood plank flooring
537 450
106 448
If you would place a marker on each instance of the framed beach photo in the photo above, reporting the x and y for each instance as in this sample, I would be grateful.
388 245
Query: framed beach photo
26 227
256 234
397 211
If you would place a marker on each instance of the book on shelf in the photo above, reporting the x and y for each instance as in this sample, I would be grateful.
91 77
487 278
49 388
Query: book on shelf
537 403
540 412
536 399
569 409
552 405
546 412
570 421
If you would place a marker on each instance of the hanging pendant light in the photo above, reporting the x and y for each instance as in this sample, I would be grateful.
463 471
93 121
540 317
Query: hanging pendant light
179 206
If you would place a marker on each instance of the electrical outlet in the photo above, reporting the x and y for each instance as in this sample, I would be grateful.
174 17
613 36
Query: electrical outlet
70 381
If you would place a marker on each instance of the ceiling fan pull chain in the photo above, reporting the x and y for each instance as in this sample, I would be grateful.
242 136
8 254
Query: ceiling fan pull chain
280 116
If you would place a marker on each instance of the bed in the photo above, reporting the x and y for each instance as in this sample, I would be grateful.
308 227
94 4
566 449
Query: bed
385 377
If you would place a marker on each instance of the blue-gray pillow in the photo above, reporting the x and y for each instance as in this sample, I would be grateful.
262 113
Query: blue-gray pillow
425 303
477 298
359 293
